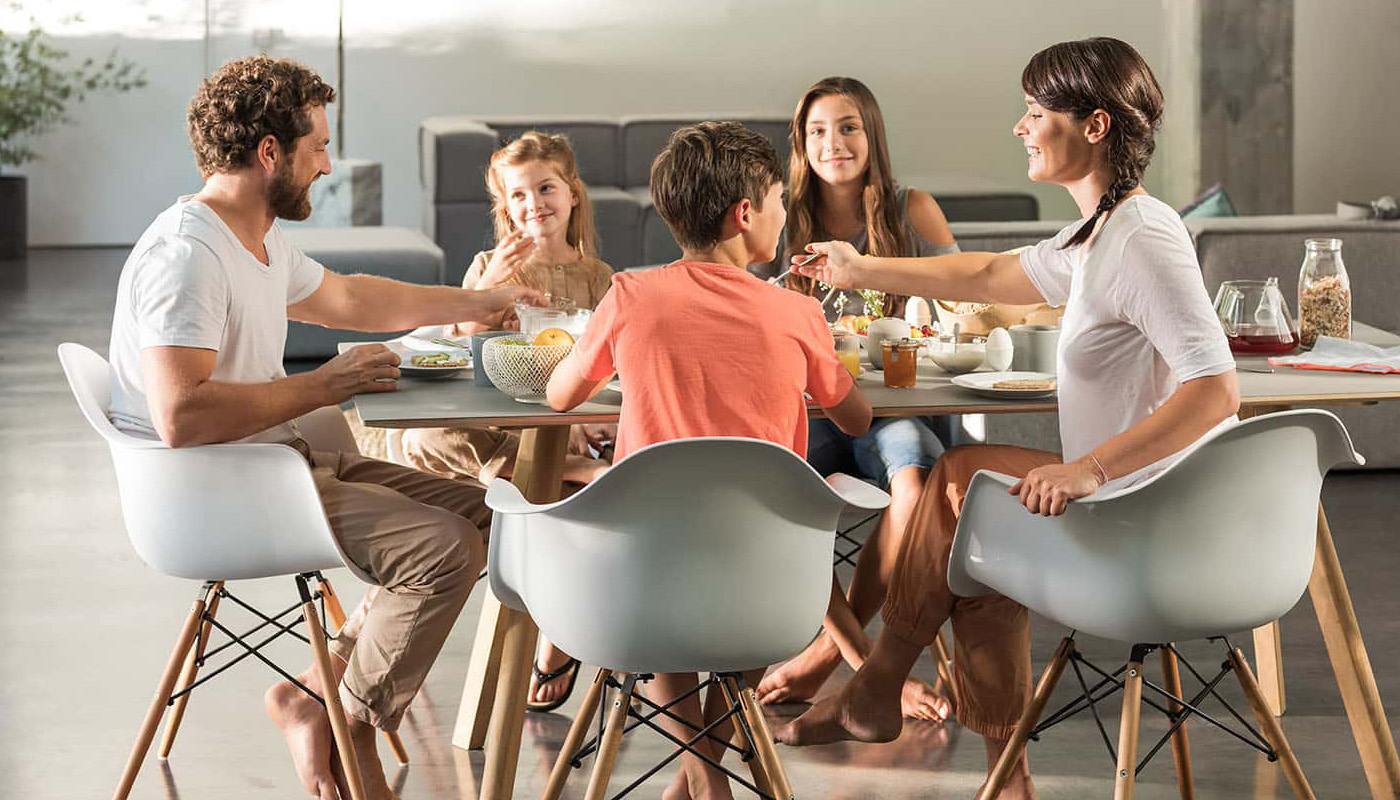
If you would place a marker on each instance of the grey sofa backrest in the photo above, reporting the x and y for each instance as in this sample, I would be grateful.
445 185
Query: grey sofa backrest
644 136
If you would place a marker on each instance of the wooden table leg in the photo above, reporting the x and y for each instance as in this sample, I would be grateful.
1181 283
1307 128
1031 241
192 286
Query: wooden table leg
539 472
1352 667
479 693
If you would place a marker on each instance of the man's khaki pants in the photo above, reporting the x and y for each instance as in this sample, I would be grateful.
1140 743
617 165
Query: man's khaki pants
420 538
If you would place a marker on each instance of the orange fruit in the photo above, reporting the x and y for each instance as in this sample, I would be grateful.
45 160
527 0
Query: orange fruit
553 336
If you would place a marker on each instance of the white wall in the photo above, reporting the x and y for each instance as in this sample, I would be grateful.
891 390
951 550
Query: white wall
1346 102
947 75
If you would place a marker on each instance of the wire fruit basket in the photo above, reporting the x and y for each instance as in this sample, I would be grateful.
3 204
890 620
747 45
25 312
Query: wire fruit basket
521 369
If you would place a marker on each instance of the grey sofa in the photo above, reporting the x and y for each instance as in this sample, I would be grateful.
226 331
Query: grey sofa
1257 248
614 158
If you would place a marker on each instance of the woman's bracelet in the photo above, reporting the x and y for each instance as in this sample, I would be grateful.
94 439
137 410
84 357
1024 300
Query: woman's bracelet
1103 473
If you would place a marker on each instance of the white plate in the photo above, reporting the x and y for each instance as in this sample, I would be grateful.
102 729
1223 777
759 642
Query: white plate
981 382
408 368
422 345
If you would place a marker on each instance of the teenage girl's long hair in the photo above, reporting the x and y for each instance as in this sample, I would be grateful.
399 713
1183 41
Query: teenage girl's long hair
1080 77
884 229
554 150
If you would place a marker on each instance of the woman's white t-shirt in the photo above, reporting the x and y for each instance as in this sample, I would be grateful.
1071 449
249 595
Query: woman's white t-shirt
1137 324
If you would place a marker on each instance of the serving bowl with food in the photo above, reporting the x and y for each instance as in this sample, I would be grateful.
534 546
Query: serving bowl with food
521 367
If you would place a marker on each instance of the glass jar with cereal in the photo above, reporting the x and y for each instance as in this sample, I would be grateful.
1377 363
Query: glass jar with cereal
1324 293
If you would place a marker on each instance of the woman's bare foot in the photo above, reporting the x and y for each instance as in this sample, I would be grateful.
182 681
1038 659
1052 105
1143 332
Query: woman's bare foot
919 700
798 679
307 729
1018 784
551 659
867 709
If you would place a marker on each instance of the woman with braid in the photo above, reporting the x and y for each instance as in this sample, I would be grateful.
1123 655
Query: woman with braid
1144 372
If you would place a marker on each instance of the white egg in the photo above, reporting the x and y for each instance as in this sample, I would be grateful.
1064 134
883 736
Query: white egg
999 349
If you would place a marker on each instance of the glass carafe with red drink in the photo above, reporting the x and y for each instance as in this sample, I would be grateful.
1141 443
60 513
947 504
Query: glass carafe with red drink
1255 317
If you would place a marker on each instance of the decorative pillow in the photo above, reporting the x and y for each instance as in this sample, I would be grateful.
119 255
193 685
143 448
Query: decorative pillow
1213 202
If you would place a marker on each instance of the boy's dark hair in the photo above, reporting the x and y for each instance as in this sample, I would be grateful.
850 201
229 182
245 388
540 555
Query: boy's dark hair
706 169
246 100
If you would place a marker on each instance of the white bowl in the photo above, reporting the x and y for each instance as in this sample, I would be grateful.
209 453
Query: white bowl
519 369
957 359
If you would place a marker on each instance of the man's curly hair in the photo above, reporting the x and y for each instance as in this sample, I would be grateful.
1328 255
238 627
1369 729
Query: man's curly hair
247 99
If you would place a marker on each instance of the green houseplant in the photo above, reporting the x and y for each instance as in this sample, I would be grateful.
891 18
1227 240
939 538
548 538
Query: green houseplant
38 82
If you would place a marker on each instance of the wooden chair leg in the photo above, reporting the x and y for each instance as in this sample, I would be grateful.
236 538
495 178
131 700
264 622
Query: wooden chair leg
606 756
340 727
943 659
1126 775
563 764
1181 742
336 612
1273 731
164 689
778 783
1016 745
743 741
1268 658
187 676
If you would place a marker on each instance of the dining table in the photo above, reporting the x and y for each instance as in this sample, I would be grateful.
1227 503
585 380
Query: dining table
492 709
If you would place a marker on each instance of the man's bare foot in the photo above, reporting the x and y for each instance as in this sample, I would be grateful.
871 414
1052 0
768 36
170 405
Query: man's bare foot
365 736
552 659
798 679
307 729
865 710
918 700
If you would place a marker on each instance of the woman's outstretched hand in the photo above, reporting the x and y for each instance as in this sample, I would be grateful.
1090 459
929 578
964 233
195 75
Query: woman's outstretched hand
1047 490
836 264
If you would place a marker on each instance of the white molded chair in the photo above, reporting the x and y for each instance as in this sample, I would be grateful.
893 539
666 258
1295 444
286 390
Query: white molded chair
1222 541
693 555
216 513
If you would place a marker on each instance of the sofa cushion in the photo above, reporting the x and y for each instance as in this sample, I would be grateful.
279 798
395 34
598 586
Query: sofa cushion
594 141
617 215
644 136
988 207
452 156
396 253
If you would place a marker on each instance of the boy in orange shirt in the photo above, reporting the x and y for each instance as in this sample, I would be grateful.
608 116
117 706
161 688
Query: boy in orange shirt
703 348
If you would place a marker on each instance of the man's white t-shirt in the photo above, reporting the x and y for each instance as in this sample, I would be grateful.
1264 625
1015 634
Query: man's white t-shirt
189 282
1137 324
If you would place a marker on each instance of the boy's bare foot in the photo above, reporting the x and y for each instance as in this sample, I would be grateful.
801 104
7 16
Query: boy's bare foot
798 679
865 710
307 729
918 700
679 789
1018 787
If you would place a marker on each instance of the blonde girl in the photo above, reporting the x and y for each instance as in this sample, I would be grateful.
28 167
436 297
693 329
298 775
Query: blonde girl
545 239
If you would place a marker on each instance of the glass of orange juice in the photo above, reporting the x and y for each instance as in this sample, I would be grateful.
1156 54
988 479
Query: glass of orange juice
847 350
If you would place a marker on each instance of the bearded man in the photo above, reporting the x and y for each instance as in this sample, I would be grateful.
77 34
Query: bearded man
197 343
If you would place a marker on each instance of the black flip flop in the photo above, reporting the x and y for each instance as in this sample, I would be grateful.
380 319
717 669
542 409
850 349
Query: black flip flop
569 668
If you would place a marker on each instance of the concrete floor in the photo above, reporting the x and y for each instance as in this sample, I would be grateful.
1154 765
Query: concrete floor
86 629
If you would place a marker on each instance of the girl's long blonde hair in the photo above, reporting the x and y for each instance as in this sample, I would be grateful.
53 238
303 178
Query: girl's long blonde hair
554 150
885 230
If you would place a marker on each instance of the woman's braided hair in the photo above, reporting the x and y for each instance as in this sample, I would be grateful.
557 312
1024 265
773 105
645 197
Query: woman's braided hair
1080 77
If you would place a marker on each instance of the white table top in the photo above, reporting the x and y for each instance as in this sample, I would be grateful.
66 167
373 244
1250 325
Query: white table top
454 401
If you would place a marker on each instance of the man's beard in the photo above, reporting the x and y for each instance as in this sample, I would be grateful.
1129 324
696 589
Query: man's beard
285 198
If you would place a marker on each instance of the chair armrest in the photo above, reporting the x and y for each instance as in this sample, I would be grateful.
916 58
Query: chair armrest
504 497
856 492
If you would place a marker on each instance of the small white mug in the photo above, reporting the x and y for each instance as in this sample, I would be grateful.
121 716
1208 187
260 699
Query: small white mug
1035 348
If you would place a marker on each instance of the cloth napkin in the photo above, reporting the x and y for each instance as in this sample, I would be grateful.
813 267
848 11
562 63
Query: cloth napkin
1345 355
